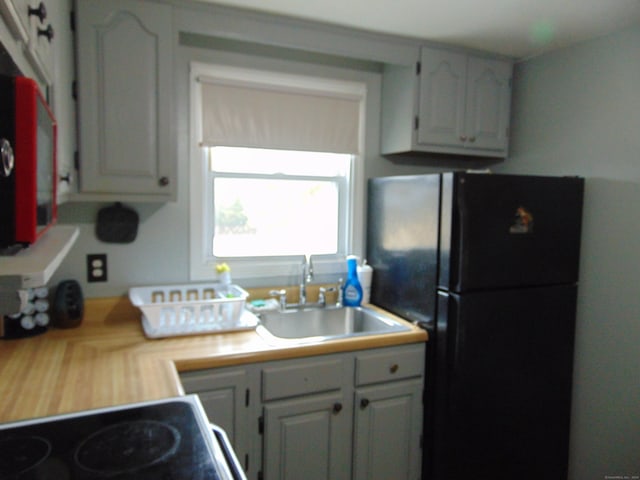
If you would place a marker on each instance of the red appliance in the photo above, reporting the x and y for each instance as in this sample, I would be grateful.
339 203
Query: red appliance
28 179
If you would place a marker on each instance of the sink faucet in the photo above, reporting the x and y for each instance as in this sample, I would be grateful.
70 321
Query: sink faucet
281 295
307 277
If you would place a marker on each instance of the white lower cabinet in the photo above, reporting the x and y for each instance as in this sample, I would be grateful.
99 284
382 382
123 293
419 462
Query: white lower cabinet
224 396
307 438
388 413
306 418
387 431
352 415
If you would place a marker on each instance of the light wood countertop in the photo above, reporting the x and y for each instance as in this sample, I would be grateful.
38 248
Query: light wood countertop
107 361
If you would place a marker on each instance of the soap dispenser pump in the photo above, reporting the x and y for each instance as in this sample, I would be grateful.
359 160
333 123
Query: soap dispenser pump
352 290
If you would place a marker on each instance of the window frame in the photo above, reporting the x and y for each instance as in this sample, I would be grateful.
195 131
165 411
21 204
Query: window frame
258 271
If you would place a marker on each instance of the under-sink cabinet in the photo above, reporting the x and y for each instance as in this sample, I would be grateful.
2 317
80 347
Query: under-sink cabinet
351 415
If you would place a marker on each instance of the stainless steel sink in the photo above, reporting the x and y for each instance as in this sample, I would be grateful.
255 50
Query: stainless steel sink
322 324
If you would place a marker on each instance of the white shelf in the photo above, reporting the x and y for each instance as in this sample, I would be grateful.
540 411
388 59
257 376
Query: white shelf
35 265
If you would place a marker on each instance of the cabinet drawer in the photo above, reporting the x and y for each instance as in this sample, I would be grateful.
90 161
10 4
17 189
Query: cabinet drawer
388 366
300 379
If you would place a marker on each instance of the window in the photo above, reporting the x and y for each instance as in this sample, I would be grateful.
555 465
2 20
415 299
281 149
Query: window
277 202
273 161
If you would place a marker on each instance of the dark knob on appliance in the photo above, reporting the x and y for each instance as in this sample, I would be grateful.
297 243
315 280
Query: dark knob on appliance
68 305
40 11
46 32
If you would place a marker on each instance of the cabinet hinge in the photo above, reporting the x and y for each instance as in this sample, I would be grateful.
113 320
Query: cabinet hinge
246 462
72 20
261 425
246 397
416 122
418 68
74 90
260 476
76 160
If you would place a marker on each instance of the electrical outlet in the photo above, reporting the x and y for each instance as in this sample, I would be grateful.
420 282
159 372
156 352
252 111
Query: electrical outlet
97 267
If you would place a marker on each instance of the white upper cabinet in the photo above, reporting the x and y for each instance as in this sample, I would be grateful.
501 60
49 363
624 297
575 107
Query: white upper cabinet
125 88
30 23
40 39
452 102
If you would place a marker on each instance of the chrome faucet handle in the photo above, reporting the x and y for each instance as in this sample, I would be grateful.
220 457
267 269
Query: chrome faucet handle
282 297
322 298
340 292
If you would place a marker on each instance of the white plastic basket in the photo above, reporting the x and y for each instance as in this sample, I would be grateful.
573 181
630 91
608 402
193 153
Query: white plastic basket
173 310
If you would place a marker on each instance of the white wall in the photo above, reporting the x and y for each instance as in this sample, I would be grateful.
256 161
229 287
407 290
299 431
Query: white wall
577 112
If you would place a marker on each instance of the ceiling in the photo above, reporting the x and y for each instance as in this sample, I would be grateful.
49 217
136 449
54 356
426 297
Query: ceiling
517 28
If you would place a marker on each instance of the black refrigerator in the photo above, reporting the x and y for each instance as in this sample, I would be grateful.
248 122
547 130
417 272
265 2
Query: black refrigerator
488 264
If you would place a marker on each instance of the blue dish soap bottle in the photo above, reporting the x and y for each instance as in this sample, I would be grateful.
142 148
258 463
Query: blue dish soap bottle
352 290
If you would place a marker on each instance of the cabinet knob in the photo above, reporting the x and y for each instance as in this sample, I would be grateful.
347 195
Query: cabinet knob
46 32
463 138
364 403
394 368
472 139
40 11
337 407
68 178
164 181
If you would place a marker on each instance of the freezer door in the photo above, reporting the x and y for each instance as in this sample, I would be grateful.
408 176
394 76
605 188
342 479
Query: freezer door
402 244
509 231
503 385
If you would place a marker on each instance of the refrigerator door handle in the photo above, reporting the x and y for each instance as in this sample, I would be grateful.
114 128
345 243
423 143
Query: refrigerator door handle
438 386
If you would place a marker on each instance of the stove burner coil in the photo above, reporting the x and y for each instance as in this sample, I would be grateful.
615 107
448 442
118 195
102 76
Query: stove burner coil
21 454
127 447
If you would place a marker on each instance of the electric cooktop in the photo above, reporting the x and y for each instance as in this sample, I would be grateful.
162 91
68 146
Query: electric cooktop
169 439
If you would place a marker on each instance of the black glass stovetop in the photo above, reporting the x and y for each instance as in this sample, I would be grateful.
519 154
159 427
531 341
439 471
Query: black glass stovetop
159 441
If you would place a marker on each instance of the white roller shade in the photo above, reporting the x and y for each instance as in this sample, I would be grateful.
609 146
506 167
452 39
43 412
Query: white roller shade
254 116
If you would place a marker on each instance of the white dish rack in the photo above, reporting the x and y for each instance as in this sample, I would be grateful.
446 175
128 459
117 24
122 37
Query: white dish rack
174 310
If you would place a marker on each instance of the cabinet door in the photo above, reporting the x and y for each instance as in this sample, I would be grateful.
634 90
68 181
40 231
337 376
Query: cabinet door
442 97
387 430
61 95
23 19
125 93
223 396
16 13
488 104
307 438
43 34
